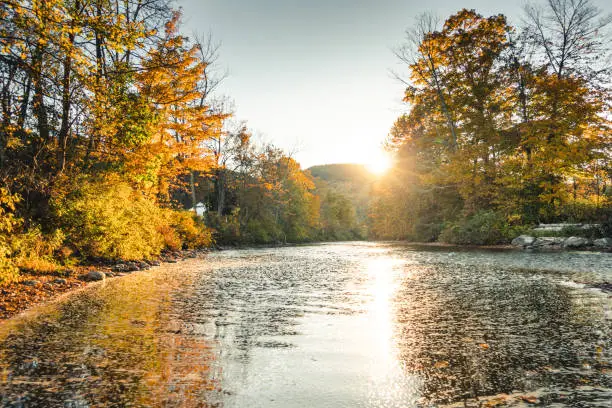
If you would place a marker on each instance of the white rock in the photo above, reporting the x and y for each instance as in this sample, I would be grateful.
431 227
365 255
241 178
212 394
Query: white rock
575 242
523 240
603 242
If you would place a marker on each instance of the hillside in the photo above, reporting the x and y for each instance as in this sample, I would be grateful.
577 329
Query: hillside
347 186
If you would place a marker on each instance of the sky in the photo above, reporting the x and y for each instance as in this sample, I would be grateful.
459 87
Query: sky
314 76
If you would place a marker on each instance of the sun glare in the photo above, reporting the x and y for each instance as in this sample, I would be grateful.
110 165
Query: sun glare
379 163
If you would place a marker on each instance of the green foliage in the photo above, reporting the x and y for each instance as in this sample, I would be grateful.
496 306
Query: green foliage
483 228
338 218
226 228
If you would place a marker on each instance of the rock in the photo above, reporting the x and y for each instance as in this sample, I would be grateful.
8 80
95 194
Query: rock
523 240
92 276
31 283
121 268
132 266
60 281
154 262
548 242
575 242
68 272
603 242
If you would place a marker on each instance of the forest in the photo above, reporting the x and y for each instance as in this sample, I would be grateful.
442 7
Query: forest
508 127
110 133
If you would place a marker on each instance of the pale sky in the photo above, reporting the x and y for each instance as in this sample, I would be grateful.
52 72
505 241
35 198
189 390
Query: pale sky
314 75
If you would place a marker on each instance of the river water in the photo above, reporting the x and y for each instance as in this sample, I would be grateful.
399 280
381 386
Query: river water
332 325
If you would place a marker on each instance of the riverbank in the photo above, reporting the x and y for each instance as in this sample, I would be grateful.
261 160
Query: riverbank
36 288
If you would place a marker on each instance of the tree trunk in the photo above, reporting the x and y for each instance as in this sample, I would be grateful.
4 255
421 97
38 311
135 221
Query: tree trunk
220 191
193 191
62 137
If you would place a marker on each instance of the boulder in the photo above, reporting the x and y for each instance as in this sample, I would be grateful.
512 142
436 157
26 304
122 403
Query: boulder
543 242
575 242
60 281
523 240
603 242
121 268
93 276
132 266
31 283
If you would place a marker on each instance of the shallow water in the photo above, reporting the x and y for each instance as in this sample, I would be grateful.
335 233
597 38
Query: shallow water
333 325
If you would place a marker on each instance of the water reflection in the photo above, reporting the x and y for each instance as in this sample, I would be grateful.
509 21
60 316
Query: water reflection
478 332
112 346
340 325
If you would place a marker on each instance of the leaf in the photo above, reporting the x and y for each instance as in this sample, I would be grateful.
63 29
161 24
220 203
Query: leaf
441 364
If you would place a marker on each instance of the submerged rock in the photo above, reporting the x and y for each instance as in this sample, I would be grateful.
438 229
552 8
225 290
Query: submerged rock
575 242
523 240
93 276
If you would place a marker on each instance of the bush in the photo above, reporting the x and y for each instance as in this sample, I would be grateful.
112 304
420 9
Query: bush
226 228
8 222
108 219
191 230
34 251
8 271
427 232
483 228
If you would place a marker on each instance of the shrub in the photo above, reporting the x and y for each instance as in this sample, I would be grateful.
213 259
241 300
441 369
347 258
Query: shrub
226 228
483 228
191 230
8 271
108 219
8 222
34 251
427 232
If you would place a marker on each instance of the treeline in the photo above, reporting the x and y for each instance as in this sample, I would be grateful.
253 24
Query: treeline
258 194
507 127
106 117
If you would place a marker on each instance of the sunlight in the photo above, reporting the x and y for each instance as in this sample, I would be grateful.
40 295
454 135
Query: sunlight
379 162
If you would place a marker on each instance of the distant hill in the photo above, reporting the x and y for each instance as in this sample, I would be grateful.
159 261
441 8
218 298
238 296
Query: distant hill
352 181
342 172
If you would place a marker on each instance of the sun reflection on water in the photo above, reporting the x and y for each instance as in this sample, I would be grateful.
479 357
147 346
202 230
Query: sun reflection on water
389 383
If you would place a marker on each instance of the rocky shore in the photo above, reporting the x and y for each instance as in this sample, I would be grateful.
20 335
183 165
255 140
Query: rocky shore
556 243
34 289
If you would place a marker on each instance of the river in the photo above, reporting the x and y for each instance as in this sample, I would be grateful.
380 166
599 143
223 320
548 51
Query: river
331 325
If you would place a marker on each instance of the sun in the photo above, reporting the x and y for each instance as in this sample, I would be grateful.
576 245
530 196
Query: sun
379 163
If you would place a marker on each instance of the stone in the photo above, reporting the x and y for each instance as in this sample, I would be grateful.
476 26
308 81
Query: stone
523 240
31 283
548 242
132 266
121 268
154 262
575 242
93 276
60 281
603 242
